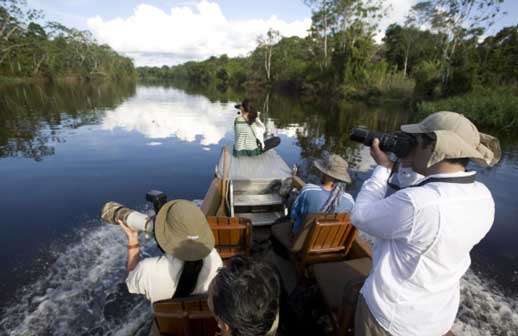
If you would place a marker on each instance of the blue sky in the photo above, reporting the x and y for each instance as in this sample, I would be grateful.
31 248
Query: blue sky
76 12
155 32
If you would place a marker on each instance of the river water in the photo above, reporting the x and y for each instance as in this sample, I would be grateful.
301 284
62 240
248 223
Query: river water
65 150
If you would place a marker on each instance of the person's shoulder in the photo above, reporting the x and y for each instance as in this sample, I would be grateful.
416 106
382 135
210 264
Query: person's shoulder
348 197
308 187
154 264
214 259
483 189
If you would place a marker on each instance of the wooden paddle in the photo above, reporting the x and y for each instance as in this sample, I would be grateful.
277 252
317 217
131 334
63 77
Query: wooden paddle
221 209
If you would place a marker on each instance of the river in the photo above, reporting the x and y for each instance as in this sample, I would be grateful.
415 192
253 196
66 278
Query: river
65 150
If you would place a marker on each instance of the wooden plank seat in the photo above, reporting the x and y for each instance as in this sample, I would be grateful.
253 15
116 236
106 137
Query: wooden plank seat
340 283
323 238
189 316
232 235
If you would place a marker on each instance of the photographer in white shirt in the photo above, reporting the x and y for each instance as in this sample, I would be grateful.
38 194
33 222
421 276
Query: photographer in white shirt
424 233
189 262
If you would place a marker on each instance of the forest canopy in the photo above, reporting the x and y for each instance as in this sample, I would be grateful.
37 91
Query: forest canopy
50 50
433 54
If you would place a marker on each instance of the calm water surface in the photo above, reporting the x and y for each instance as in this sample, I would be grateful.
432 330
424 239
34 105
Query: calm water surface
65 150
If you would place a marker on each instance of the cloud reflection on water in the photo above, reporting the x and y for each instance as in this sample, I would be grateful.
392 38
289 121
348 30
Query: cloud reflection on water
166 112
159 113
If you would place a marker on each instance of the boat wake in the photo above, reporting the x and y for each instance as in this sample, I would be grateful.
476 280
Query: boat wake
484 309
84 293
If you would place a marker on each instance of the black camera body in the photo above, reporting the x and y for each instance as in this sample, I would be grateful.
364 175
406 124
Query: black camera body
399 143
157 198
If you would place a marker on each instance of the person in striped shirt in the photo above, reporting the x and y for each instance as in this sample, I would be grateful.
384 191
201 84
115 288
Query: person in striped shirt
249 132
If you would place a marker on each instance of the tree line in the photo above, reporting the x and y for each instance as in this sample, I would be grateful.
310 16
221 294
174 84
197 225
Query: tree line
30 49
439 51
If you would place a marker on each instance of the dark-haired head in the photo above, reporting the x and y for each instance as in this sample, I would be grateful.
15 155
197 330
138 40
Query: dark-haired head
248 109
244 296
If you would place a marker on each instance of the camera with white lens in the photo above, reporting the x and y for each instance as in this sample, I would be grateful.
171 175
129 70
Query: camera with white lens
113 211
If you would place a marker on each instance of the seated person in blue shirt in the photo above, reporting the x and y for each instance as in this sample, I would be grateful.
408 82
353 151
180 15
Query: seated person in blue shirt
330 197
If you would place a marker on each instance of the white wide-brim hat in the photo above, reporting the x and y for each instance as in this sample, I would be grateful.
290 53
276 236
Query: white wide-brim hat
457 137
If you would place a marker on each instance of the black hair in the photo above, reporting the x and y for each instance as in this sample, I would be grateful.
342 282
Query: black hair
245 295
462 161
188 279
252 112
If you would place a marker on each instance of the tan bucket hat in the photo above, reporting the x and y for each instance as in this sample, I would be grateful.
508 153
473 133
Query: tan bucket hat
334 166
457 137
182 230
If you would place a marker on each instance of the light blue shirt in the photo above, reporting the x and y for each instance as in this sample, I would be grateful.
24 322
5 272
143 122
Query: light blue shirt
311 199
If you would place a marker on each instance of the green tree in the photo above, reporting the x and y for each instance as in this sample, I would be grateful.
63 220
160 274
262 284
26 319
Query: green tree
266 43
499 57
322 18
405 47
456 20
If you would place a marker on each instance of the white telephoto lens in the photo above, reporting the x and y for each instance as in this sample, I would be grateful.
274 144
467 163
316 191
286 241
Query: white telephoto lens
137 220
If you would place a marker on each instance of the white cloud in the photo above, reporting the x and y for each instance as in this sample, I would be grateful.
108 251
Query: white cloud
154 37
290 131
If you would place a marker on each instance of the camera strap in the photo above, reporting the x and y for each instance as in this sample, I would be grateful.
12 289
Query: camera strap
258 143
457 179
189 278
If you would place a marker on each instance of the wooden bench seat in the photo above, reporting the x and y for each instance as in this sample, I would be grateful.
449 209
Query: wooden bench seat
189 316
232 235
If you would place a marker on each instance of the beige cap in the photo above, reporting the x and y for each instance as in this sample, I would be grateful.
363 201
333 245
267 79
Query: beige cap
182 230
334 166
457 137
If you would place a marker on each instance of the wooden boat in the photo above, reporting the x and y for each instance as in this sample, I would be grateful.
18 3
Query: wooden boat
249 190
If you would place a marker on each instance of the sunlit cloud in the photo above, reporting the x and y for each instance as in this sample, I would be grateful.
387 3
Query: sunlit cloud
154 37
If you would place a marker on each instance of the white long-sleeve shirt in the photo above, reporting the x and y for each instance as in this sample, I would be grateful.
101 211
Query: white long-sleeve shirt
423 239
157 277
259 130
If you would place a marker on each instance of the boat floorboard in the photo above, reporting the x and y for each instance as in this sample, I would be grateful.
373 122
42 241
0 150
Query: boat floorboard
267 166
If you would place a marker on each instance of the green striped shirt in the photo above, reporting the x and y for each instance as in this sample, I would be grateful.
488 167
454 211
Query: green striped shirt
245 142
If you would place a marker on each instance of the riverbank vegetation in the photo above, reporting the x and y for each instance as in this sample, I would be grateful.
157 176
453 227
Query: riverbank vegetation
34 51
440 51
493 108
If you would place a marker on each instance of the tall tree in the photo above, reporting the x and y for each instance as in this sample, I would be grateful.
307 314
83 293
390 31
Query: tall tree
322 19
457 20
355 18
14 18
266 43
499 57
